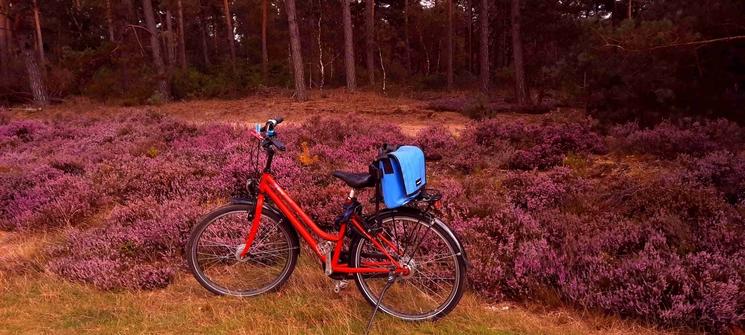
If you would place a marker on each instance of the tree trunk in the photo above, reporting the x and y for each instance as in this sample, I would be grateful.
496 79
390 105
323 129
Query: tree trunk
406 36
160 67
231 35
630 13
469 30
181 37
39 39
370 39
349 47
203 37
110 20
264 51
131 12
297 58
4 40
170 41
450 45
321 67
35 78
484 46
521 90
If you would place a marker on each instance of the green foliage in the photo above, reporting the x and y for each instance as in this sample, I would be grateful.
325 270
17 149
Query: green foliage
434 81
128 86
638 70
222 81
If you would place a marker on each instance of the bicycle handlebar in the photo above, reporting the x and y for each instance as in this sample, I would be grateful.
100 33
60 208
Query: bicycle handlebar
268 134
271 124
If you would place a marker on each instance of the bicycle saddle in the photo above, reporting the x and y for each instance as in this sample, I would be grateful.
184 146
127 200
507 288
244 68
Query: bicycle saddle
355 180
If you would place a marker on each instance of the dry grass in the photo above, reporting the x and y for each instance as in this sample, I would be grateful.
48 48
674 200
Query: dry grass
35 302
412 115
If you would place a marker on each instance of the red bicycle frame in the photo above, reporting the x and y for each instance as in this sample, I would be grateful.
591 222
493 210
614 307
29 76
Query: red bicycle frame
300 221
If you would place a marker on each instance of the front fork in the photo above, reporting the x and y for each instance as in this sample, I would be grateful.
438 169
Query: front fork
254 225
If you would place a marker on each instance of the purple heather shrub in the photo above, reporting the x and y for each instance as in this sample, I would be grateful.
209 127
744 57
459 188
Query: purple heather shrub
60 201
663 247
539 146
722 169
669 139
437 140
143 240
24 130
539 191
113 274
4 118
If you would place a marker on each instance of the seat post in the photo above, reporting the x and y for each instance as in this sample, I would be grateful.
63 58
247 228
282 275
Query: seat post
352 194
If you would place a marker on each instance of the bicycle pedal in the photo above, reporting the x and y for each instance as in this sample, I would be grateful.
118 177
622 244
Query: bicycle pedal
340 285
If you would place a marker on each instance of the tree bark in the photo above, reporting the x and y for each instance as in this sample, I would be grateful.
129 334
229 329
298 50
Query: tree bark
203 37
170 41
629 15
160 67
131 12
521 90
297 58
110 20
349 63
35 78
406 36
39 38
370 40
231 35
484 46
319 40
450 45
469 30
181 35
264 50
4 40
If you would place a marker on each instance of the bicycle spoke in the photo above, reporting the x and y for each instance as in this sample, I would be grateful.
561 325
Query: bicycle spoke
218 253
431 260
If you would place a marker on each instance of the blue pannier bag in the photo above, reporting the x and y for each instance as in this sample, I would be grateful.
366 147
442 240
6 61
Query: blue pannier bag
403 176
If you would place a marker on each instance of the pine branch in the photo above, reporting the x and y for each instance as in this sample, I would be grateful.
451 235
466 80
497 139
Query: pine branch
675 45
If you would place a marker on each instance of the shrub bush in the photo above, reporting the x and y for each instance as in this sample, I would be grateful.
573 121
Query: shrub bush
539 146
669 139
664 247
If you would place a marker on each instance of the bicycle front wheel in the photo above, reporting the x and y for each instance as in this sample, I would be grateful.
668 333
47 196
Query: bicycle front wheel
437 268
215 246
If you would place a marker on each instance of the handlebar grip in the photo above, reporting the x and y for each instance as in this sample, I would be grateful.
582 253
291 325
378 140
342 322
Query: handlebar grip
279 119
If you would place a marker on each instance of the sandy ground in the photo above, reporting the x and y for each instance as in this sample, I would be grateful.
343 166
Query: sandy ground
410 114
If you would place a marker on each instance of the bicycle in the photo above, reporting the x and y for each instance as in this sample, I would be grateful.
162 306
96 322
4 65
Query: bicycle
250 246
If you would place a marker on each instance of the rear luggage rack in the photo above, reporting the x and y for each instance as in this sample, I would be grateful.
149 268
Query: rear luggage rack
429 195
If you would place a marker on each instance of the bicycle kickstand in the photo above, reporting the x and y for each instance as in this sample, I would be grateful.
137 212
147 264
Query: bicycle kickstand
391 280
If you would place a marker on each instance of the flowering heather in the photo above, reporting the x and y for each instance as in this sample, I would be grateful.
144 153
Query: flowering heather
539 146
669 139
664 247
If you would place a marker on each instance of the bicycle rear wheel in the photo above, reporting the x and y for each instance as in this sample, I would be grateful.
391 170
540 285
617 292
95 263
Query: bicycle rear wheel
437 267
215 246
